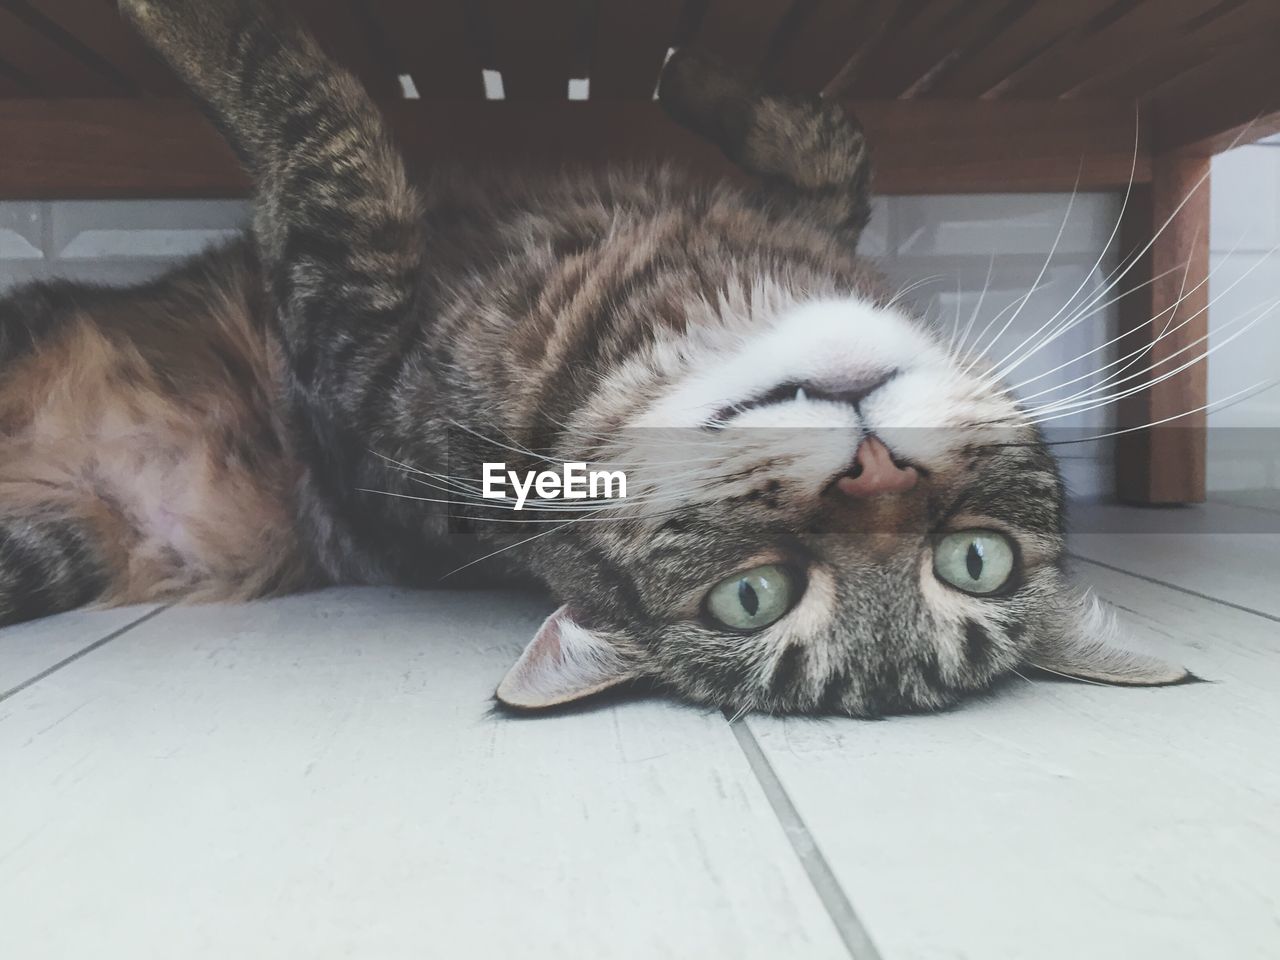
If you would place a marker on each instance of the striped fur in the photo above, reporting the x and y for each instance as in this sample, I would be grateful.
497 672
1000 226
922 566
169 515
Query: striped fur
313 404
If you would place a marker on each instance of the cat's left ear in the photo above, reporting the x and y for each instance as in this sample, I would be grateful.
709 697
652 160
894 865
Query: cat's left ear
563 662
1088 646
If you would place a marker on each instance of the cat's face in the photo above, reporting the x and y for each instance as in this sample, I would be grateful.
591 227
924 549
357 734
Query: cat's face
826 513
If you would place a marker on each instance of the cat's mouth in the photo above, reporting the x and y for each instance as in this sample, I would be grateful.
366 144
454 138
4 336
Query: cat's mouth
850 394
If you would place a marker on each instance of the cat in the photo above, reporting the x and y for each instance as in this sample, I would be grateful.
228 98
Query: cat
828 511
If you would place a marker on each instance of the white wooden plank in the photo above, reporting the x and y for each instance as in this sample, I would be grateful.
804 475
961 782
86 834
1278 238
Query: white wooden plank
320 777
1063 820
1255 499
1224 551
28 648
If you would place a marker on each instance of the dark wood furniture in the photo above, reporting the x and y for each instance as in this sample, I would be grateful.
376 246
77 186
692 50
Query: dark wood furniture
957 96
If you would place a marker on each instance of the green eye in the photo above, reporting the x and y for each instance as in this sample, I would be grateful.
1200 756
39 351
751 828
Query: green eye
975 561
754 599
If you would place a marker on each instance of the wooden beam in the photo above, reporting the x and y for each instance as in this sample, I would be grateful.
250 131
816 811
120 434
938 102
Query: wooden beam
165 148
962 146
1212 137
1166 464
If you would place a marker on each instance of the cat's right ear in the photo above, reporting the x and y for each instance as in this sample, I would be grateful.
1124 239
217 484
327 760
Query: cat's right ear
1087 646
563 662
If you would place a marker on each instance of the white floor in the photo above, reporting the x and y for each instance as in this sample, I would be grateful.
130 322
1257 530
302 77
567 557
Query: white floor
321 777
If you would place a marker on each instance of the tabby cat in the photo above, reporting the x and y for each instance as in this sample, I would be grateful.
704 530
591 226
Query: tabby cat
827 511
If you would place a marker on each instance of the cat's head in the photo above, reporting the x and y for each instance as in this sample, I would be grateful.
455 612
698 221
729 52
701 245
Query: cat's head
826 512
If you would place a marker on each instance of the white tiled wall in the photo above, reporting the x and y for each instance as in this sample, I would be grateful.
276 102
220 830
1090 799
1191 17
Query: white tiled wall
118 241
972 256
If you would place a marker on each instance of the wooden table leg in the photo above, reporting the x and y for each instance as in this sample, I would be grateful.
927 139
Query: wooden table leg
1166 464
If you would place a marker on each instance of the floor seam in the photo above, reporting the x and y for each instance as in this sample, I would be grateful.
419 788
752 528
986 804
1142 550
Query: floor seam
82 652
1173 586
1243 506
853 933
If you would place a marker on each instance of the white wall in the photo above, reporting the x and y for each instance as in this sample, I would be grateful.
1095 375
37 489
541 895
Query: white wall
961 246
948 243
1244 439
108 241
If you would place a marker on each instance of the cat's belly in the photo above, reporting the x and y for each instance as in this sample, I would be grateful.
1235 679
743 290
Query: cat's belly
181 474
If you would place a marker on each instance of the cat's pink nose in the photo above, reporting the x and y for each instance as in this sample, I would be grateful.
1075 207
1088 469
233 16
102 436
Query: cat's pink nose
874 472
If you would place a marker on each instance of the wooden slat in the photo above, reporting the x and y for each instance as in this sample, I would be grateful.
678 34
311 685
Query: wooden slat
13 84
135 148
346 35
942 146
1220 35
1145 27
741 33
1146 76
824 40
944 30
321 777
1233 99
434 44
29 649
52 68
890 19
1152 810
98 26
630 45
1166 464
538 47
1042 27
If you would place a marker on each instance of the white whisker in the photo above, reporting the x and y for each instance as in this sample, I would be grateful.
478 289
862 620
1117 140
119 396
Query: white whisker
1212 407
1115 232
1093 402
1150 345
1066 216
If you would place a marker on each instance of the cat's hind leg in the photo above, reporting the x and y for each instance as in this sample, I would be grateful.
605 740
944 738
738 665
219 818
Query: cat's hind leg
49 559
29 315
49 562
808 150
340 231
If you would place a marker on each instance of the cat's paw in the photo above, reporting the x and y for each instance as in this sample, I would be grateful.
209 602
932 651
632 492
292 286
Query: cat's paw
153 15
202 40
702 93
172 25
806 140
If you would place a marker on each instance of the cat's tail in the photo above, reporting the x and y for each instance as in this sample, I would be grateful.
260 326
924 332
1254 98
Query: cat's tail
808 148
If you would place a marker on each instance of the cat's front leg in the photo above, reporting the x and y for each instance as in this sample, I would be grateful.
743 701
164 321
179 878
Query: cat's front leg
338 223
339 231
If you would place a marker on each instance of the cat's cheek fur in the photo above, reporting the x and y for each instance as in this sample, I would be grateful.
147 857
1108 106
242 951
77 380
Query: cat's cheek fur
767 341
